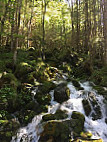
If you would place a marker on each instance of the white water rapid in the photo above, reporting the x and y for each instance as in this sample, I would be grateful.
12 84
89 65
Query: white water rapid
98 127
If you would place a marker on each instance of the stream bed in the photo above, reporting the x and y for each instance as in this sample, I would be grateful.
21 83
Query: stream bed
97 127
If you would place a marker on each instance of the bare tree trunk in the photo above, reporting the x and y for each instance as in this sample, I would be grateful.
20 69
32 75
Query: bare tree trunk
44 4
15 28
86 27
77 34
2 20
105 30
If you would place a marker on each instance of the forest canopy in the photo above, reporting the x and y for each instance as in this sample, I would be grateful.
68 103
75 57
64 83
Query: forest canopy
75 25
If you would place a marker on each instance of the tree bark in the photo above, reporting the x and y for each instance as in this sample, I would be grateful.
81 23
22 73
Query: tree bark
105 30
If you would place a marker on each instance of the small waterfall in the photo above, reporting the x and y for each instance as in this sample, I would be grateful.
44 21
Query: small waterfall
98 127
30 133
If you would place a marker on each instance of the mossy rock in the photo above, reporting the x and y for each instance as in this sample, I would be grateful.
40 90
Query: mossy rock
61 93
25 116
9 78
106 120
29 78
32 105
78 115
86 135
55 131
101 91
76 84
42 99
97 114
77 123
87 107
91 140
22 69
57 116
8 129
47 86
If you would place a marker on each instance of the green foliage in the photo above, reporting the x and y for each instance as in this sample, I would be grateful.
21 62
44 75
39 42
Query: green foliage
7 99
100 77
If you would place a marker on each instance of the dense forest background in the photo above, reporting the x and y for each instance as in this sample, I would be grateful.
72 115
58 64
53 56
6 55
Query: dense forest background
70 26
41 39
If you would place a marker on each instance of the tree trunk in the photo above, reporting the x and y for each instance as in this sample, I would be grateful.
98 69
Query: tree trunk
105 30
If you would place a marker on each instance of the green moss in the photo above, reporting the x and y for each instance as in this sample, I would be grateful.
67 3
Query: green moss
100 77
101 90
86 106
47 86
43 99
22 69
9 78
77 123
57 116
86 135
57 131
7 98
76 84
82 140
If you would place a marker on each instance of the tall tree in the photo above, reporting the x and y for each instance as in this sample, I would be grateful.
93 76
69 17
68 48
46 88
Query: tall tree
105 30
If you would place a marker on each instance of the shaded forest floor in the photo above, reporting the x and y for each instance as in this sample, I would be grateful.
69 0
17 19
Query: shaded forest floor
17 83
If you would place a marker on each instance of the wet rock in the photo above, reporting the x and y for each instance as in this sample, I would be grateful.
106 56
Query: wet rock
22 70
78 115
77 123
8 78
55 131
86 135
57 116
77 85
106 120
60 131
87 107
61 93
86 140
42 98
25 116
95 106
101 91
8 129
46 87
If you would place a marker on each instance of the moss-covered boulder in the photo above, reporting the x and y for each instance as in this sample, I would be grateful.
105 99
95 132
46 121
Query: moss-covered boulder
97 114
55 131
46 86
78 115
106 120
77 123
22 69
10 79
61 93
25 116
57 116
87 107
42 98
8 129
86 135
101 91
76 84
85 140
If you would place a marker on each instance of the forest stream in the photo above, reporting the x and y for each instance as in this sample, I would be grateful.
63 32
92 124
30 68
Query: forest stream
94 124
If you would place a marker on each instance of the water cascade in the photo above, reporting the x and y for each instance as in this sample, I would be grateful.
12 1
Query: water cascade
97 127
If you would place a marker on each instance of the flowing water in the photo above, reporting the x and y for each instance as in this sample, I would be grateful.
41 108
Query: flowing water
98 127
